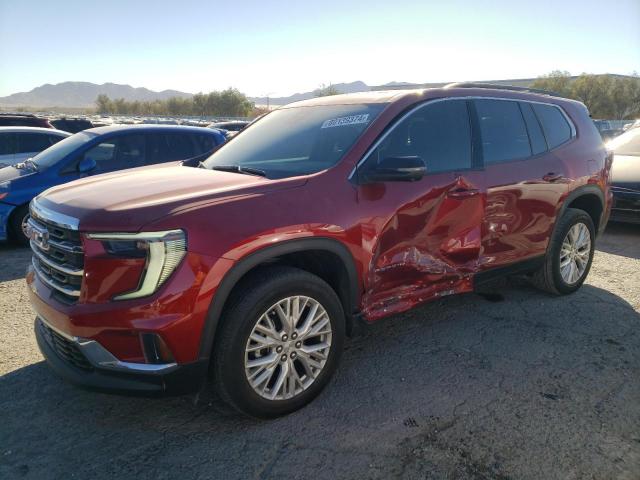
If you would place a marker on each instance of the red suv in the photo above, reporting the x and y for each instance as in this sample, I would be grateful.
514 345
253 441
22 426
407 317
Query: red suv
252 268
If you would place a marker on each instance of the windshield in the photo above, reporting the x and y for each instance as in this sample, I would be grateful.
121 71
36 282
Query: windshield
296 141
626 144
57 152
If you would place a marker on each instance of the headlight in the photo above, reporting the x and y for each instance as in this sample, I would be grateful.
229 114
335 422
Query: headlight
163 250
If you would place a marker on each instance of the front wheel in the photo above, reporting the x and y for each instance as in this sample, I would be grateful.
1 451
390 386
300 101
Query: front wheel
18 225
280 342
569 255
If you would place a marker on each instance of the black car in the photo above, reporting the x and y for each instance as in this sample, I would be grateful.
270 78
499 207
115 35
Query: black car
625 177
230 126
72 125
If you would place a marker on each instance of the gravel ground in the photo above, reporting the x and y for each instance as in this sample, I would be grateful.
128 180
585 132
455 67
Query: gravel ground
514 385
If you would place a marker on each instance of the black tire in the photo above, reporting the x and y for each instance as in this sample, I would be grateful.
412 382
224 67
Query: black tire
15 225
548 277
255 295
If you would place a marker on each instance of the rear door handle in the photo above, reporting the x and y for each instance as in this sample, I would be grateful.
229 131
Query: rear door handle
463 192
552 177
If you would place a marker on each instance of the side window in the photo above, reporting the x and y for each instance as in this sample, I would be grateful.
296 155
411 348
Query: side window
180 147
439 133
32 142
6 143
502 131
169 147
118 153
538 143
555 125
53 139
204 143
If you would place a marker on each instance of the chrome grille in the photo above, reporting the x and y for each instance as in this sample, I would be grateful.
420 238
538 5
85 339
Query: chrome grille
58 258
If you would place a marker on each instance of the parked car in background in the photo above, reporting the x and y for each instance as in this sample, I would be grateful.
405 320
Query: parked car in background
625 176
321 215
23 120
92 152
631 125
230 126
72 125
19 143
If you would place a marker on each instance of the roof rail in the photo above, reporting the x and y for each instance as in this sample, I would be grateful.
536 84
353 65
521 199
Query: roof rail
502 87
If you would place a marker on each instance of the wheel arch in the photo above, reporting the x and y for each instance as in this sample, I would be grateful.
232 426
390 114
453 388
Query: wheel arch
589 198
299 253
11 217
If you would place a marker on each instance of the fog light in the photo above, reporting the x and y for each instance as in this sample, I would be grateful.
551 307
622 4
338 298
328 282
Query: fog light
155 349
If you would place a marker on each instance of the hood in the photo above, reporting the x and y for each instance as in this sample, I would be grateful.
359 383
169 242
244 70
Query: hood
625 172
129 199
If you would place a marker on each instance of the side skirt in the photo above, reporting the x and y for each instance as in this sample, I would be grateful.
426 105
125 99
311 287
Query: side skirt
518 268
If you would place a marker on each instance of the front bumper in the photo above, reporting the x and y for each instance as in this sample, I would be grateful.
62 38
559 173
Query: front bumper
626 205
5 212
86 363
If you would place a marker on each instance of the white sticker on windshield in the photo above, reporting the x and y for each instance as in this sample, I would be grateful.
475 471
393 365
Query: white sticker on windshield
351 120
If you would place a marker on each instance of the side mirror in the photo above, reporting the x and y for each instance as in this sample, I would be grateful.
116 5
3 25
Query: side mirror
86 165
396 169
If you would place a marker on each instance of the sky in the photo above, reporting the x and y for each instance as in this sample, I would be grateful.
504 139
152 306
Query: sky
272 47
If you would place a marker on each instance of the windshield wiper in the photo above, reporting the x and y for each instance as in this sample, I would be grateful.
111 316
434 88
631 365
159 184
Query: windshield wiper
238 169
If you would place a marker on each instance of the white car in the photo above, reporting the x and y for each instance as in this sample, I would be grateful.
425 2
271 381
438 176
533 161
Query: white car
19 143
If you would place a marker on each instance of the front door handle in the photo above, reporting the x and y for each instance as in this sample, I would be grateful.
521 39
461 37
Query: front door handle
463 192
552 177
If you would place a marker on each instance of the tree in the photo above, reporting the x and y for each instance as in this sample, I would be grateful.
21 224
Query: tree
591 90
326 91
227 103
103 104
624 97
557 81
606 96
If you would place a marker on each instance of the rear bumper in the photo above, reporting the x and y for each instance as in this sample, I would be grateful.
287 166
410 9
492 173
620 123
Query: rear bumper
85 363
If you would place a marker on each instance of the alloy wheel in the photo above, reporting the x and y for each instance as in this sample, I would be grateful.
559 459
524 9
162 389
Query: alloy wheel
575 253
24 226
288 348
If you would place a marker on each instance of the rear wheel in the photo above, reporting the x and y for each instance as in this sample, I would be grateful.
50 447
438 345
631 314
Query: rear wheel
17 225
280 342
569 255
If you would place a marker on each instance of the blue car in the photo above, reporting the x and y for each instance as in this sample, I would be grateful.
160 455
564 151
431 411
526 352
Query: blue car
92 152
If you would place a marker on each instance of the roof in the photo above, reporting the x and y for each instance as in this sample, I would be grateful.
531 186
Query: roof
384 96
147 128
34 130
451 90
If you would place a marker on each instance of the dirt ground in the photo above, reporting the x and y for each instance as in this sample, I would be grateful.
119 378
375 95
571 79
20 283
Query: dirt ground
516 385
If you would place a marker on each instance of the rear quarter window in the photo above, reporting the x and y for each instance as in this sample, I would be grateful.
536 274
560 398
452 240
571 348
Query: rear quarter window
554 124
538 143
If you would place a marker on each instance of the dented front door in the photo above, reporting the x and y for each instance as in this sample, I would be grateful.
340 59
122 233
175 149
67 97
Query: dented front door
423 238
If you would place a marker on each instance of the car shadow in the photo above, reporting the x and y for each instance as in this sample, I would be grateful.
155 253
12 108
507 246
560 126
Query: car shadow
620 239
13 261
461 375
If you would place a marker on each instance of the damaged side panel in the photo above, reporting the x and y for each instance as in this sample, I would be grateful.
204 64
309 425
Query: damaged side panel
428 246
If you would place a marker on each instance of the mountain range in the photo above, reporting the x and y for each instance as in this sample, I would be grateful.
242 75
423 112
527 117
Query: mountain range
82 95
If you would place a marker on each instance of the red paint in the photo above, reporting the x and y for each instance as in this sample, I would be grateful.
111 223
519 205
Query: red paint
411 242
